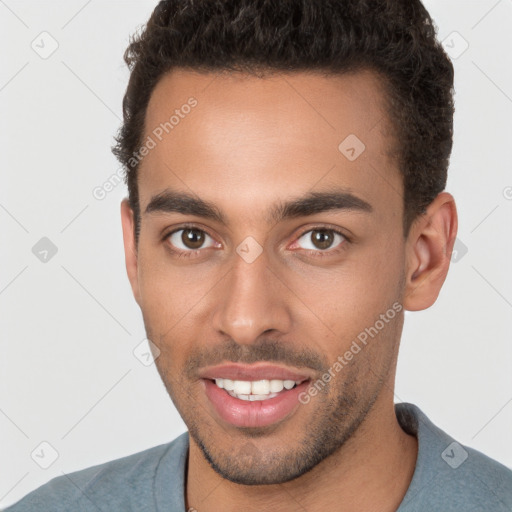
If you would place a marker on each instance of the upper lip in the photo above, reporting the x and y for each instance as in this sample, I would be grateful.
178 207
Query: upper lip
258 371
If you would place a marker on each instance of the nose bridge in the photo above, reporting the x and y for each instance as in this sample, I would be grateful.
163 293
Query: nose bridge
251 301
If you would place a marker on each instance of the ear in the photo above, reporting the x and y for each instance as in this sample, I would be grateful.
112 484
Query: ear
428 252
130 248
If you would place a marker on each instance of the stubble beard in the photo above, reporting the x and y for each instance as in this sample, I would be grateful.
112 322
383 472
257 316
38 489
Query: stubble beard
334 422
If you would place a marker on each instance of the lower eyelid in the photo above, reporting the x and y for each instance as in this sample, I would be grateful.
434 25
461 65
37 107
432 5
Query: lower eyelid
331 230
213 241
216 244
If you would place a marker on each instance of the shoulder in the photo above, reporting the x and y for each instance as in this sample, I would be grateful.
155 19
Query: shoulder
126 483
479 484
450 476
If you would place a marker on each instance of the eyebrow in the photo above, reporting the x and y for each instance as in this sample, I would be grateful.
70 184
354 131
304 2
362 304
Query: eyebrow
170 201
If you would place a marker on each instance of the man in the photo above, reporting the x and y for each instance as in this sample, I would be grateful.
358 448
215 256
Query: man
286 165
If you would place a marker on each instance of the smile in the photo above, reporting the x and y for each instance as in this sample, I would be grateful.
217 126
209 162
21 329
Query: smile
253 395
256 389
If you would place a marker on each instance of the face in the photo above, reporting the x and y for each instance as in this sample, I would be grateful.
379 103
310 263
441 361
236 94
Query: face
271 255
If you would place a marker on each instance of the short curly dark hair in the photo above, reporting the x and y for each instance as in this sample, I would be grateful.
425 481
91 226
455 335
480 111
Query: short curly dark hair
394 38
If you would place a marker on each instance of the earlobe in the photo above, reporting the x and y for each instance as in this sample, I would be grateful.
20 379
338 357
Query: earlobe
428 252
130 248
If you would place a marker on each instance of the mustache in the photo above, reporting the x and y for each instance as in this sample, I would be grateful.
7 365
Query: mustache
266 350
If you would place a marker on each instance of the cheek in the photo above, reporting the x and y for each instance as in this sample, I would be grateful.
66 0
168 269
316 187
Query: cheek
170 292
375 274
175 304
340 302
334 303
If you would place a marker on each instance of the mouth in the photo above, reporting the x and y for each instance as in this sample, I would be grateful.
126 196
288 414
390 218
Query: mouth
253 396
257 389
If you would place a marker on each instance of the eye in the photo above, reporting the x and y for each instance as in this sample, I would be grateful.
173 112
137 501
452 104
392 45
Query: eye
321 239
189 239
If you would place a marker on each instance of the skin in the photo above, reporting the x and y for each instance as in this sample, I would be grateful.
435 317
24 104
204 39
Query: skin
250 143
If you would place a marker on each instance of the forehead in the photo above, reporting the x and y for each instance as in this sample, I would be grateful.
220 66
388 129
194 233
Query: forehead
254 137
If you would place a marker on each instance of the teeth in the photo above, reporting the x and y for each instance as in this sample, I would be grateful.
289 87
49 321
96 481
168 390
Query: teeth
288 384
255 390
276 386
242 387
260 397
252 398
228 385
260 387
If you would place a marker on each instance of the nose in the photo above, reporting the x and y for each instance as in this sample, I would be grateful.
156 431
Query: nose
252 301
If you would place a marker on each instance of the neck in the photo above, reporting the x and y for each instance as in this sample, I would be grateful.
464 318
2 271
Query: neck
371 471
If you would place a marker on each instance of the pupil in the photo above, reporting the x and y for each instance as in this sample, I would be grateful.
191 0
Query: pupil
322 239
192 238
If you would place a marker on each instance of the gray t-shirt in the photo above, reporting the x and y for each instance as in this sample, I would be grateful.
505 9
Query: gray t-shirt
448 477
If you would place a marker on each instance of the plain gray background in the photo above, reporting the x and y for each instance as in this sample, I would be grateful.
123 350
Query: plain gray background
69 324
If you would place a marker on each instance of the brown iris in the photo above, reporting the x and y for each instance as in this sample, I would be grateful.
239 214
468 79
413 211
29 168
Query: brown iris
192 238
323 239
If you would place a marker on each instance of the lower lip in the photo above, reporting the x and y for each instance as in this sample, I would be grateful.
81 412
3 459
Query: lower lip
259 413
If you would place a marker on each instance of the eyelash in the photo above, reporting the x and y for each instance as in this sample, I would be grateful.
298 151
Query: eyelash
315 254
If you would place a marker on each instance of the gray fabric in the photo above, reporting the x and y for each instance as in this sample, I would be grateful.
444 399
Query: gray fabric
448 477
